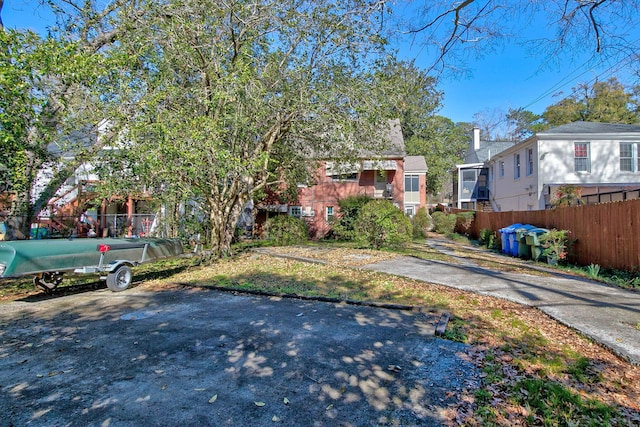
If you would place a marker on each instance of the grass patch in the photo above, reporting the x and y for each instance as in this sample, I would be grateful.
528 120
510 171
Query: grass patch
456 330
552 404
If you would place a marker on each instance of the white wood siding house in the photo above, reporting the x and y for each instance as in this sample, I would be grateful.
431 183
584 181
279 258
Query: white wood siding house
472 178
602 159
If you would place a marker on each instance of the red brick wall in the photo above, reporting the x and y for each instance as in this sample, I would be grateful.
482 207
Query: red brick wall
327 192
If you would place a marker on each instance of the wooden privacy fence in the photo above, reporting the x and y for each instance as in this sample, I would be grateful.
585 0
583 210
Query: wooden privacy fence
606 234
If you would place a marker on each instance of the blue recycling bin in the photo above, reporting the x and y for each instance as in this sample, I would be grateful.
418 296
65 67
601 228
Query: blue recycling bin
39 233
508 235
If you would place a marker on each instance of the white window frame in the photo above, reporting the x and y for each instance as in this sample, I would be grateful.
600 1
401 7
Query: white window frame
501 169
516 166
295 211
413 179
582 164
329 213
529 161
633 158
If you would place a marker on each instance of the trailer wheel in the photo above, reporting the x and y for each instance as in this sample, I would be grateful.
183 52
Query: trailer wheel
48 281
120 279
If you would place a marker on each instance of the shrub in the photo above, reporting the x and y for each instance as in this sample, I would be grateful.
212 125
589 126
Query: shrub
421 223
555 243
286 230
349 209
443 223
486 237
465 219
382 224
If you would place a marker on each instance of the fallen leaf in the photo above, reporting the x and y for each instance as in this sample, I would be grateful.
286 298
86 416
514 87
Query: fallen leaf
285 401
329 407
213 398
259 404
164 386
275 419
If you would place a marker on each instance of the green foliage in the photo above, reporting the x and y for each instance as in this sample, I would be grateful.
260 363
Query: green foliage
443 223
555 243
233 98
382 224
567 195
522 124
350 207
553 404
286 230
414 99
465 219
593 271
50 96
442 143
456 330
488 238
421 223
605 102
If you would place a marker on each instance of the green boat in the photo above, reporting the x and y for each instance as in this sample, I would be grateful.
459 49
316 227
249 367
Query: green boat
48 260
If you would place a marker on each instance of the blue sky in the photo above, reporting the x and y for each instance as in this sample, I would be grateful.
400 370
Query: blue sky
507 78
512 78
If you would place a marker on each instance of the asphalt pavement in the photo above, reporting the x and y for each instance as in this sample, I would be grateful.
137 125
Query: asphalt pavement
608 315
199 357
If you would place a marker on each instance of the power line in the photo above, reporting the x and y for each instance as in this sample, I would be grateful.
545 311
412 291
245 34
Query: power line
609 71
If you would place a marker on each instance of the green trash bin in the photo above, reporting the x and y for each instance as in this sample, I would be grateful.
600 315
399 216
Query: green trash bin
521 248
532 239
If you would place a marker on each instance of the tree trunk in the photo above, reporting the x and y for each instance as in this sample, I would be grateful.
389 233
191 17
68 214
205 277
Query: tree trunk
223 218
20 217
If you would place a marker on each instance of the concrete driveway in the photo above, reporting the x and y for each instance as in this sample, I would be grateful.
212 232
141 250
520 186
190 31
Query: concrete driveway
202 357
606 314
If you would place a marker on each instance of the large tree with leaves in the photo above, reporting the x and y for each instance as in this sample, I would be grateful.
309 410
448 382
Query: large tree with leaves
443 143
606 102
39 84
413 98
54 91
234 96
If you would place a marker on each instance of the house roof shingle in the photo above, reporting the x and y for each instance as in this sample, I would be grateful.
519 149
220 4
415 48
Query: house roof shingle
591 127
488 149
415 164
395 141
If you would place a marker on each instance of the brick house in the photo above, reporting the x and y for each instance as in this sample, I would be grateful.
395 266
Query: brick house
388 175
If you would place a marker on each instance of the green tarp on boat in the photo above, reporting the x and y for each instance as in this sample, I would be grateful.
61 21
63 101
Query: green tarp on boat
28 257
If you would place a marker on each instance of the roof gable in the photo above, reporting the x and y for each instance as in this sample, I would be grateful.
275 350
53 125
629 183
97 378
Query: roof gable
415 164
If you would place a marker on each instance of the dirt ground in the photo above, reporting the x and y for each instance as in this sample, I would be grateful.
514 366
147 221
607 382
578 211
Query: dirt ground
186 356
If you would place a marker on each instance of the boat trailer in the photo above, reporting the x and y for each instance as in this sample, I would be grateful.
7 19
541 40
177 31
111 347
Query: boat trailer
48 260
